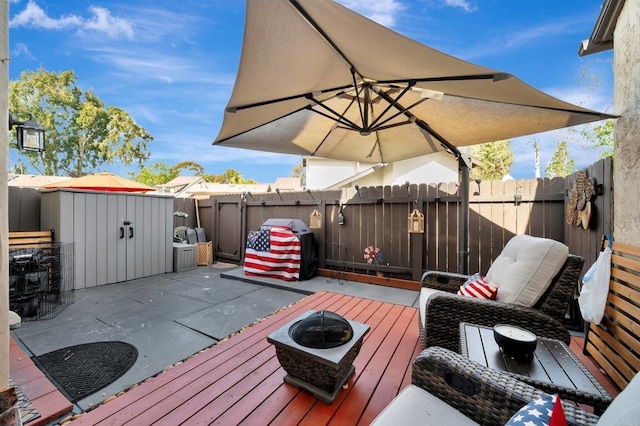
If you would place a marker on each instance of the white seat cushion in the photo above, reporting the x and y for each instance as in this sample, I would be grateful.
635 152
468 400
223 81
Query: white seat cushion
414 406
525 268
625 408
425 292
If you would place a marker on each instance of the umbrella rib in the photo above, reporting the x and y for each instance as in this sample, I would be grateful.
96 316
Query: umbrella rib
324 35
601 115
340 118
423 125
493 76
401 94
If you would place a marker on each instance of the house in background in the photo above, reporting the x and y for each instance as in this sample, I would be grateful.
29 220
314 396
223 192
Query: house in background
179 184
33 181
322 173
197 187
288 184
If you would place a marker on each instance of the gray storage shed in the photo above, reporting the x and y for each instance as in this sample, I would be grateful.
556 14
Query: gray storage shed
118 236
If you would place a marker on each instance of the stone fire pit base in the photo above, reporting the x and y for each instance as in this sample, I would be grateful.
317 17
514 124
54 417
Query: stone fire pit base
322 372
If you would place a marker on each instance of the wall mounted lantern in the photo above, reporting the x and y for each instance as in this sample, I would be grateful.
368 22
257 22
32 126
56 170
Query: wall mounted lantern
341 218
315 219
415 222
29 134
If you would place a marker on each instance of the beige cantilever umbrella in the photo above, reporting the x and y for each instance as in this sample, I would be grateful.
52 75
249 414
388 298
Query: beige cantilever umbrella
316 78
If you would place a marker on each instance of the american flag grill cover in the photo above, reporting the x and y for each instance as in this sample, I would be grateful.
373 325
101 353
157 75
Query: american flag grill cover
274 252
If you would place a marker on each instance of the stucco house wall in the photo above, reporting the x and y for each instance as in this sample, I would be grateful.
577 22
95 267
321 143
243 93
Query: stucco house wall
322 173
626 60
433 168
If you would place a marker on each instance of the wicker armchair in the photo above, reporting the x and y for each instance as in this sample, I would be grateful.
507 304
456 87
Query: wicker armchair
485 395
445 310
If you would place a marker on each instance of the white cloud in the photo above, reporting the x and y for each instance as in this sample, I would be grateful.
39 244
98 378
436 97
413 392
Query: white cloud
463 4
21 49
101 21
383 12
143 63
33 16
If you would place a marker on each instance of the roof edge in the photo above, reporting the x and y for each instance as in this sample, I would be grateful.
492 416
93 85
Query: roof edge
602 35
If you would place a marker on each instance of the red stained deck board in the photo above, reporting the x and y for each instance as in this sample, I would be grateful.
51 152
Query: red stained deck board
377 367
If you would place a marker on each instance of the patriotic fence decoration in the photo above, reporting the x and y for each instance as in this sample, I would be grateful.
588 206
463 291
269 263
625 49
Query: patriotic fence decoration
274 252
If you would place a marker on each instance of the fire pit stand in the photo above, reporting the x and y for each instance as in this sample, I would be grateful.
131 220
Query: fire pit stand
322 372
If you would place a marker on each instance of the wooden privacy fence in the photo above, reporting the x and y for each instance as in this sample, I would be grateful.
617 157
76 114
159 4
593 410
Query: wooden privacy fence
376 218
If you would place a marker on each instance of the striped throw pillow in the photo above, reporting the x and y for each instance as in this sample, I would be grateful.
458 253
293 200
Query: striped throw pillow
476 286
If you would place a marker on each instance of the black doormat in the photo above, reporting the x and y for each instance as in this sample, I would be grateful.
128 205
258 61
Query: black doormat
80 370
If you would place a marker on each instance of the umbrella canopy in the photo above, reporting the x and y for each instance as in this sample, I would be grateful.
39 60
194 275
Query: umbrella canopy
101 182
316 78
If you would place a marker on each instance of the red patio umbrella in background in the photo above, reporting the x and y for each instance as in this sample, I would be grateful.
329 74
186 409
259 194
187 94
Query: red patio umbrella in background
101 182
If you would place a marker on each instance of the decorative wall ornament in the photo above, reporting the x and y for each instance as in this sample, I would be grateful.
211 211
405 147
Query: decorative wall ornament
373 255
581 192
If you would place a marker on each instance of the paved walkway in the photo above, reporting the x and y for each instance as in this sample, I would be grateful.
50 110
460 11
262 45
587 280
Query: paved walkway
172 316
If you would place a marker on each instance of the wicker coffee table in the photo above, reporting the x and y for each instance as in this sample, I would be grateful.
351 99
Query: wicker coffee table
321 372
553 367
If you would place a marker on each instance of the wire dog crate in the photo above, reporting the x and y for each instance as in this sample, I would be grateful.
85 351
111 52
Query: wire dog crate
41 280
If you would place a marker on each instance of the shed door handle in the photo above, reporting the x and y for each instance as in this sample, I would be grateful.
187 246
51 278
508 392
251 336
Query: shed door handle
122 232
130 232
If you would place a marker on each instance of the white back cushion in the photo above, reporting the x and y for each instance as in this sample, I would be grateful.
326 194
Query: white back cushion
525 268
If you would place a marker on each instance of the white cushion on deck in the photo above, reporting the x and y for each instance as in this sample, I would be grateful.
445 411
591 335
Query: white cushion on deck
625 408
415 406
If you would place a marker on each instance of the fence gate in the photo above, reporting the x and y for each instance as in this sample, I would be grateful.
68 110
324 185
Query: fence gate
229 229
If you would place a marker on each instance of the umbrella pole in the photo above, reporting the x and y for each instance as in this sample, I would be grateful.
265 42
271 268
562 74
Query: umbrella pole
463 226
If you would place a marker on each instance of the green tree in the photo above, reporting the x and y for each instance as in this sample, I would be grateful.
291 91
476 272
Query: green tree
229 176
300 172
596 135
191 166
600 136
82 134
19 168
156 173
561 164
496 158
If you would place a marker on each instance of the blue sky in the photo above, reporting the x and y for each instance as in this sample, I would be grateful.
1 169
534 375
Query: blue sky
172 64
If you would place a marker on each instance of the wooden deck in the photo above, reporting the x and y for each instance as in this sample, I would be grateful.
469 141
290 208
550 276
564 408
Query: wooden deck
42 394
240 381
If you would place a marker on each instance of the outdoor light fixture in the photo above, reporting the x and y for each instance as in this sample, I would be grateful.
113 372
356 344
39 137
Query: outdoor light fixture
315 219
29 134
341 219
415 222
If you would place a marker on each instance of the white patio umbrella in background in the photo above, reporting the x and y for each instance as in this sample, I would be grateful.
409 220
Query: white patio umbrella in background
318 79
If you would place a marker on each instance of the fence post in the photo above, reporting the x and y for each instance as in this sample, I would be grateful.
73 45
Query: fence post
322 238
416 245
